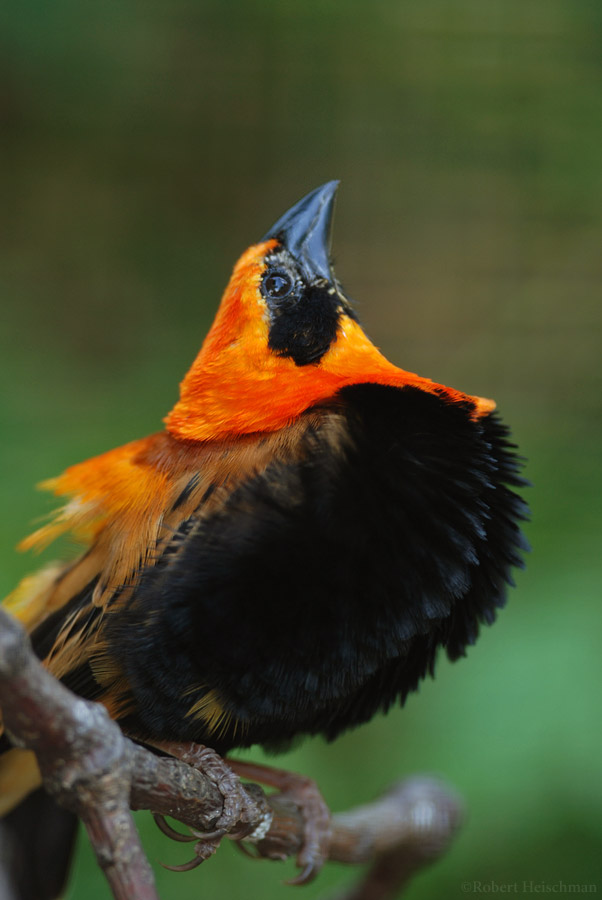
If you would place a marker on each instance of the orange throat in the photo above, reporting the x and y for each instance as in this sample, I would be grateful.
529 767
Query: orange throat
238 385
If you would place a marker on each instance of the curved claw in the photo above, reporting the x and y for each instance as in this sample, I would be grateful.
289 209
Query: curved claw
207 835
185 867
171 832
202 850
307 874
194 835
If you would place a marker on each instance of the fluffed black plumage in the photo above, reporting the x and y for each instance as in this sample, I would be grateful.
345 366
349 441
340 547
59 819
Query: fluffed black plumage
320 590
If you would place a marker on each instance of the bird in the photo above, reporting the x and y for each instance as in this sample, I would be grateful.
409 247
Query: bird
288 556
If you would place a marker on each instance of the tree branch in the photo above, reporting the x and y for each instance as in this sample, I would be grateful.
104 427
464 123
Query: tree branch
89 766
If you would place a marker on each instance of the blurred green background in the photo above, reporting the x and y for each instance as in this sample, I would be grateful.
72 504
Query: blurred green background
145 145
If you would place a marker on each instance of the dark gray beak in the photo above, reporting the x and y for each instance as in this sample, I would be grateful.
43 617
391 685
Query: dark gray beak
305 231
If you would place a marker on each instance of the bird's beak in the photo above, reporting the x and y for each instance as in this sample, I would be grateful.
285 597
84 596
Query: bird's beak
305 232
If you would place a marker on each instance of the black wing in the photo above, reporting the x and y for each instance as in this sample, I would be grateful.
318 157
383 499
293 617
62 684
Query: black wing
322 588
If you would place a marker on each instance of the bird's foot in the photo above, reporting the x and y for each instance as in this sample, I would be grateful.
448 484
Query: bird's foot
233 795
305 795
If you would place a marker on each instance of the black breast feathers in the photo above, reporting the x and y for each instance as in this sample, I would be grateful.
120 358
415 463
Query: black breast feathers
323 587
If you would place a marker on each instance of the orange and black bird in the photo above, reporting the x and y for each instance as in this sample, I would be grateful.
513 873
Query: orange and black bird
289 554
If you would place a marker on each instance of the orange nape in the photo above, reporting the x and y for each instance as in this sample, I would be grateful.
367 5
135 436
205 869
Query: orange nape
238 385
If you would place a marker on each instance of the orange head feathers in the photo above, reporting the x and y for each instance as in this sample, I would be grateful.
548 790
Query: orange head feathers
285 337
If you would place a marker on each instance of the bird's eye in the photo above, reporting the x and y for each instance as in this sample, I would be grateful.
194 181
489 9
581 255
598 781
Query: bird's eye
277 284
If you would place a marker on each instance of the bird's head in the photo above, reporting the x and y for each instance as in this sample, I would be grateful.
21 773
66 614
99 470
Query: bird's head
285 337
